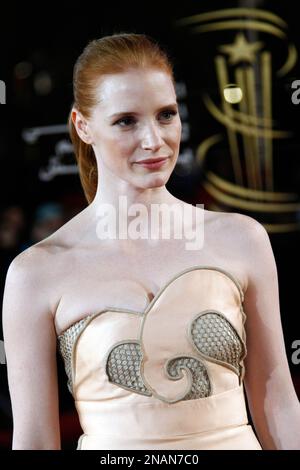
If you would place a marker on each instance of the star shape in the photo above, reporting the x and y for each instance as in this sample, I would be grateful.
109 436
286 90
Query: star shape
241 49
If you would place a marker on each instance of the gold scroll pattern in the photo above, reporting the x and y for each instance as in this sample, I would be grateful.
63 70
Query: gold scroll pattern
250 128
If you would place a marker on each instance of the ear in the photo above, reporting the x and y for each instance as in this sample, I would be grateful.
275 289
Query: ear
81 126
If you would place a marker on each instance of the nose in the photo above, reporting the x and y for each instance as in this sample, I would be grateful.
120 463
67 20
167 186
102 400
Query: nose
152 139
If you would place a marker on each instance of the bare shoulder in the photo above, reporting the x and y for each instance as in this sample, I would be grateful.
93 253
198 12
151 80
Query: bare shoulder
38 269
27 277
28 264
240 227
240 241
249 234
43 254
254 242
36 258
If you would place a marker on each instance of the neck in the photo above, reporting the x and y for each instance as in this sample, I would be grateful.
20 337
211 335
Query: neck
119 196
111 190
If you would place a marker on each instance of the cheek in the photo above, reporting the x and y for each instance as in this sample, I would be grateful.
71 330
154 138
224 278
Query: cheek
125 145
116 146
175 134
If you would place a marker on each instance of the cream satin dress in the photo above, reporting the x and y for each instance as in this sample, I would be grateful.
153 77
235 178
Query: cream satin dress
168 377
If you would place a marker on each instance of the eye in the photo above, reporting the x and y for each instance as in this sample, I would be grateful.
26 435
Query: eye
125 121
168 114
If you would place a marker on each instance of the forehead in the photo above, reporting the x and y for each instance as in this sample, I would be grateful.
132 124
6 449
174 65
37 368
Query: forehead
134 86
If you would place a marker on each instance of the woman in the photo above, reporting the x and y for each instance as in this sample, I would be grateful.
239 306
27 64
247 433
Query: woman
156 337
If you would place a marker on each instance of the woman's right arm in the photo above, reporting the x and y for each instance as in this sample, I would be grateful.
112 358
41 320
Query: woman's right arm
30 348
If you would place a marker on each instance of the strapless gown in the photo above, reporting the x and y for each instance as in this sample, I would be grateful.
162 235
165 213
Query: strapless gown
168 377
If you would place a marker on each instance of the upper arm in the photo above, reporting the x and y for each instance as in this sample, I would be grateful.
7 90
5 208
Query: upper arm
30 347
270 392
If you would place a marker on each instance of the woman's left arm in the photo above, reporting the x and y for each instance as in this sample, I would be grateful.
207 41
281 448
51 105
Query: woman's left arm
272 399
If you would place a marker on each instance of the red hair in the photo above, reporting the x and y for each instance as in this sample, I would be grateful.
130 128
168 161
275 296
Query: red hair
110 54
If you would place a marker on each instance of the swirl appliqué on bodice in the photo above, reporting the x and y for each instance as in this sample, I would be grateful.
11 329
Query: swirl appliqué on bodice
202 336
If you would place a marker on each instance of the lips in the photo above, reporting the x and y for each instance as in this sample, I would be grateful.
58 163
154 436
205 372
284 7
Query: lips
153 160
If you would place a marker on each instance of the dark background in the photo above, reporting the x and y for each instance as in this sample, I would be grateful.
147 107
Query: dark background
50 37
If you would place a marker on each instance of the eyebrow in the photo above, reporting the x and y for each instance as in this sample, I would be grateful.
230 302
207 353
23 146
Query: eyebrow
121 113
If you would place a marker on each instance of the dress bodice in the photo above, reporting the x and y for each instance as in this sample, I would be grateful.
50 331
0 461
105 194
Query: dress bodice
171 375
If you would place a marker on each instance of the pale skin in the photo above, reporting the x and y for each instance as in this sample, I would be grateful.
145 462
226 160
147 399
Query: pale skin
71 274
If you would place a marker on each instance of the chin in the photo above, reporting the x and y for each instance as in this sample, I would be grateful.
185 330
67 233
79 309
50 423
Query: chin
154 183
157 181
153 180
